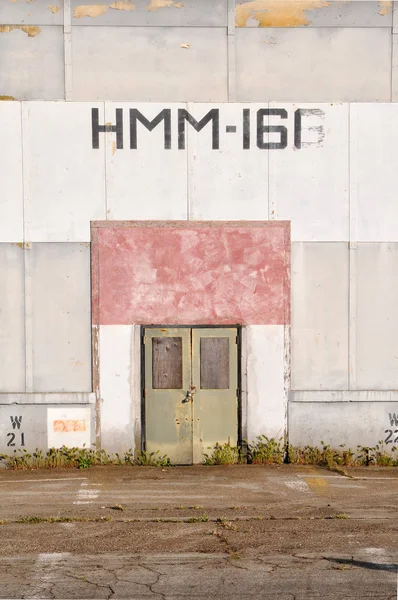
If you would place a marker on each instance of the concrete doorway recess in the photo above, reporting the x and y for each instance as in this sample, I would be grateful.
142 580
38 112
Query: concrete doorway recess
191 390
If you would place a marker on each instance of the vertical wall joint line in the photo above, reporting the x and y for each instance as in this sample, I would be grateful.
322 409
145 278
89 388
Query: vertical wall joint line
231 51
28 311
68 50
352 251
394 57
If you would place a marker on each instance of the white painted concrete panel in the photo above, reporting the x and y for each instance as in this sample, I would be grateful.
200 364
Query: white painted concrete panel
359 13
66 176
11 205
266 412
148 182
12 329
41 12
336 423
69 426
320 316
309 186
57 399
374 171
151 64
377 316
117 405
32 63
32 430
230 182
61 333
153 13
313 65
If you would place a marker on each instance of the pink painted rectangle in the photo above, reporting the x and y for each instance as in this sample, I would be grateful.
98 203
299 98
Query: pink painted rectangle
191 273
69 425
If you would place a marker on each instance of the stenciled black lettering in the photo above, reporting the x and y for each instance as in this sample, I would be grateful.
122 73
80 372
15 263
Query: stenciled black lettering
246 129
96 128
22 439
393 419
267 129
213 115
298 127
11 440
136 115
16 422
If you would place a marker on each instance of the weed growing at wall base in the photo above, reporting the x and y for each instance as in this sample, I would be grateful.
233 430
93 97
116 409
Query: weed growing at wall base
80 458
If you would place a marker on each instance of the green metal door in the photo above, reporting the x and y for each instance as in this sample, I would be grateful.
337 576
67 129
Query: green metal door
191 395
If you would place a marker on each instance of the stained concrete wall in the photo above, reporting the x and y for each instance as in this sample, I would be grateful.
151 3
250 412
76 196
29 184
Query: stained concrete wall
338 190
199 50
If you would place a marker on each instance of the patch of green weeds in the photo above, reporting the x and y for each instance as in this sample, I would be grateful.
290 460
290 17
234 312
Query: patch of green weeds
341 516
80 458
265 451
34 520
222 454
151 459
201 519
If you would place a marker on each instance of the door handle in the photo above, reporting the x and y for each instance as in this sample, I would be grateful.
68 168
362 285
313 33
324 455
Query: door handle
188 397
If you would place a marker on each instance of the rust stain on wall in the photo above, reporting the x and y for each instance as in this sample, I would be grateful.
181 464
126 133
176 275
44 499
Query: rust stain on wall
123 5
31 30
155 5
7 98
384 7
276 13
69 425
53 8
90 10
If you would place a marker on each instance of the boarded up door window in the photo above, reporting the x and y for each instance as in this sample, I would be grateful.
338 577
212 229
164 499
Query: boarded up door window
167 363
214 363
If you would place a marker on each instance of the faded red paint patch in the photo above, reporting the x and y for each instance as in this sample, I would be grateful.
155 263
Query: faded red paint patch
66 426
192 273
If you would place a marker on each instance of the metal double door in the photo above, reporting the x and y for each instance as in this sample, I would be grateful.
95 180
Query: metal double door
191 391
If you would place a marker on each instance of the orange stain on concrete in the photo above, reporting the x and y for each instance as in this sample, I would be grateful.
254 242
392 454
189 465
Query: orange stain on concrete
155 5
384 7
31 30
69 425
90 10
123 5
276 13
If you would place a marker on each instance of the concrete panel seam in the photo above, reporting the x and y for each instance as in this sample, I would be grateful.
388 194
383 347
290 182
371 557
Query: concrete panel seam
28 317
68 50
190 170
244 390
352 246
286 375
395 17
231 52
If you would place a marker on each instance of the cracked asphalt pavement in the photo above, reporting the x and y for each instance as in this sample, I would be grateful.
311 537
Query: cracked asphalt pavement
285 532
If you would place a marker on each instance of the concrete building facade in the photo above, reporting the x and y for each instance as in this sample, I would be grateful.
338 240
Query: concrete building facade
198 170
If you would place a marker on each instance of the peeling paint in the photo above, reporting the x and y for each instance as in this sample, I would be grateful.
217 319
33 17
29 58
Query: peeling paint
31 30
123 5
155 5
276 13
113 148
69 425
186 46
53 8
384 7
7 98
90 10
